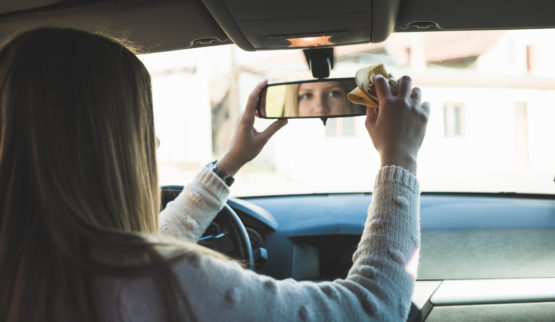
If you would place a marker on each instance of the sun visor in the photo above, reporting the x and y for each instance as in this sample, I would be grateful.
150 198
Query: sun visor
280 24
13 6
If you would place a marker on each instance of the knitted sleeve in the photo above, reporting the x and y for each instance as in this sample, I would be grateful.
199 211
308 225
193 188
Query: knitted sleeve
195 207
378 287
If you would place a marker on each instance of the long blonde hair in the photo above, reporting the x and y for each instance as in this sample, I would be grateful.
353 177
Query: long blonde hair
291 108
77 173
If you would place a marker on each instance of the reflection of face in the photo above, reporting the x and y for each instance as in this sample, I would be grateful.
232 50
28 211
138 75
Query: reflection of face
322 98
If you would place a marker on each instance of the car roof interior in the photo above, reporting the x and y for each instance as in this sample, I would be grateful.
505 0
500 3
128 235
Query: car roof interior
263 25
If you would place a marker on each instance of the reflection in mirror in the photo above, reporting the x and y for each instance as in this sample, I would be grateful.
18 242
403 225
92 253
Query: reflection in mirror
320 98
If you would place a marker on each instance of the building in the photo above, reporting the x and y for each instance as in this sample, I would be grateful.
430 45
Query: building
483 88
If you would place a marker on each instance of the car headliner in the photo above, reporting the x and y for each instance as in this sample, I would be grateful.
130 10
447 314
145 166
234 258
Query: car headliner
162 25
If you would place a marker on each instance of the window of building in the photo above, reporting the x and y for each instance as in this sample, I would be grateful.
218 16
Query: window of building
453 120
521 133
340 127
531 59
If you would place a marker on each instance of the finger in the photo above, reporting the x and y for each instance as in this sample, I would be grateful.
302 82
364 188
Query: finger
382 88
405 84
416 95
371 117
261 105
239 118
273 128
253 101
425 107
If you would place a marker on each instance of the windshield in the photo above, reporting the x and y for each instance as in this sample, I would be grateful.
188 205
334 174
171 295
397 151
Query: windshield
492 96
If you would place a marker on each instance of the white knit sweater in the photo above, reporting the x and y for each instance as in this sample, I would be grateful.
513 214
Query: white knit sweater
378 287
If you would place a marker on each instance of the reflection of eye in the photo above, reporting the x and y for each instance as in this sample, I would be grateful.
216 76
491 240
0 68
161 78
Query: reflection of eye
336 93
305 96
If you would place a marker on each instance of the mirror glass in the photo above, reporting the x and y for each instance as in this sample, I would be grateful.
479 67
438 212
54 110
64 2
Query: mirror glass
311 98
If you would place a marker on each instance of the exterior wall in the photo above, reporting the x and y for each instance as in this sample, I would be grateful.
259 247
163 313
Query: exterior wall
488 147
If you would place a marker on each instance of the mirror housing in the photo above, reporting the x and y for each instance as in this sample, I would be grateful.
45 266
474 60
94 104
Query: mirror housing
322 98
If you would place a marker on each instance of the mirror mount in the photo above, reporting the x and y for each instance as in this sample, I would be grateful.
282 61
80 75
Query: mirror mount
320 61
324 120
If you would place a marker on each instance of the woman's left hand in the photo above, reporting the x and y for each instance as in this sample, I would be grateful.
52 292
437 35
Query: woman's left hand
247 142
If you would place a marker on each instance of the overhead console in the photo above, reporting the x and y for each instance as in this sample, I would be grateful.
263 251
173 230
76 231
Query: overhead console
258 25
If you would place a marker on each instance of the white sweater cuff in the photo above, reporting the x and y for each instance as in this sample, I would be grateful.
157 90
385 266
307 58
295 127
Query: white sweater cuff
399 175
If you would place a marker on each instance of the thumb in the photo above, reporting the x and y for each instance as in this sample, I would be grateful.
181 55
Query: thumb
371 117
273 128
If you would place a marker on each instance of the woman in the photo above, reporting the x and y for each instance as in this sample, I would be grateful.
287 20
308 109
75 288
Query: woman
320 98
79 198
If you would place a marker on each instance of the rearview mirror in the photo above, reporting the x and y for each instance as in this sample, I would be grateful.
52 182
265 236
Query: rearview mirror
321 98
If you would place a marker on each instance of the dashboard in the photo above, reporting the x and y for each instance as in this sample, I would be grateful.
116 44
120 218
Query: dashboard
483 256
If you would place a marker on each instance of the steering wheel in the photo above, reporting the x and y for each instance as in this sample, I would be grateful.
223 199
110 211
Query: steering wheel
226 234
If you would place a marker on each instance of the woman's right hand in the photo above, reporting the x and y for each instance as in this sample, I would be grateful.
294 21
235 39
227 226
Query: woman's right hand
398 129
247 142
